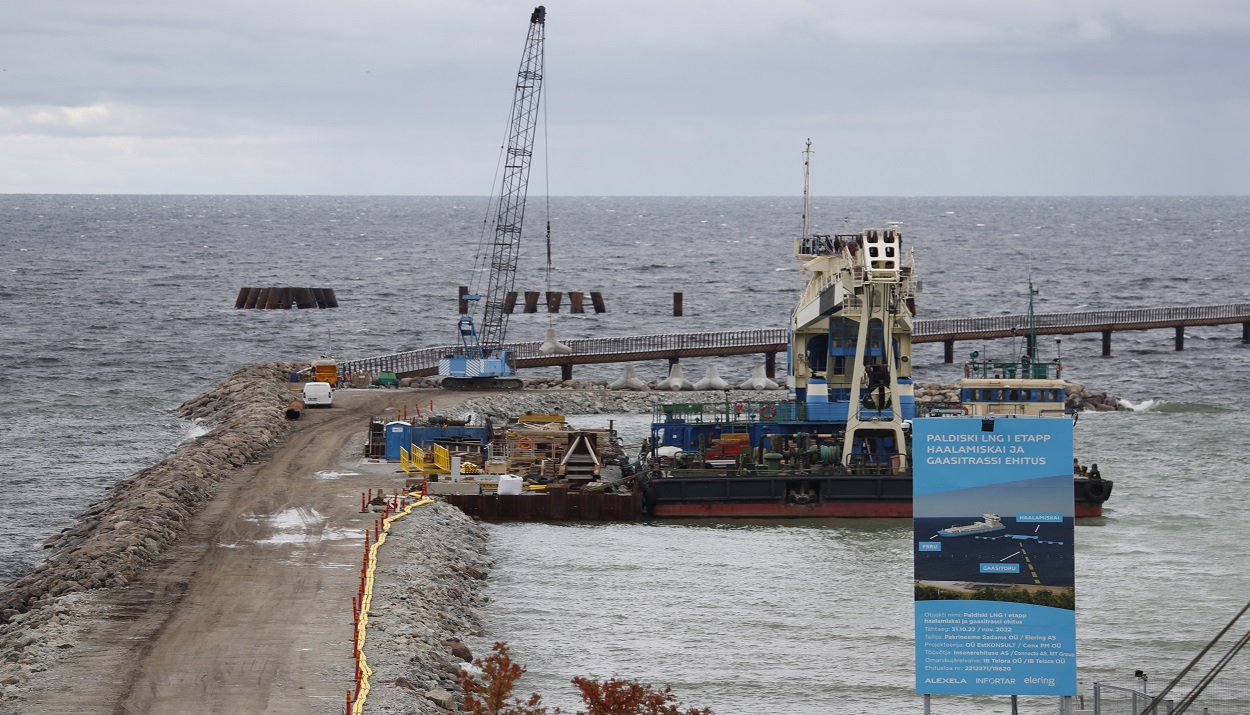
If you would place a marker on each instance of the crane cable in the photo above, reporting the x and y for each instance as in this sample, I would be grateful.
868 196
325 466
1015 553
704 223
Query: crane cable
1206 679
481 259
547 177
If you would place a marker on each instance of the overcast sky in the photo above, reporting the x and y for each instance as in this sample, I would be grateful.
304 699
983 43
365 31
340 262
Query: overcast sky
649 97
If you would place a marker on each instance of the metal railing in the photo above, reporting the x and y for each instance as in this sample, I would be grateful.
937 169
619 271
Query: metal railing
1082 321
1120 700
766 340
426 359
1117 700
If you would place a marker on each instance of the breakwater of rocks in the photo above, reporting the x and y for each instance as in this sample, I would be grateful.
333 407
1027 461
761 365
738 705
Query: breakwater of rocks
142 514
428 585
111 541
429 582
593 397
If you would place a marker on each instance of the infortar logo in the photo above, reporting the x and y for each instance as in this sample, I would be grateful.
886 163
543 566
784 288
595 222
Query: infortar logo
946 681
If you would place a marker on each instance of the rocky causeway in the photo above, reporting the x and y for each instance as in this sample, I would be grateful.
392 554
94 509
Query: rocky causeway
430 574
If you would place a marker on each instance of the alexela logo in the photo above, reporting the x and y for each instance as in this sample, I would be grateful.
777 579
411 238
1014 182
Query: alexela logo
946 681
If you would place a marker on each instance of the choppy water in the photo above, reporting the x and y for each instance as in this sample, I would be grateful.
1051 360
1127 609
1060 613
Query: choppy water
114 309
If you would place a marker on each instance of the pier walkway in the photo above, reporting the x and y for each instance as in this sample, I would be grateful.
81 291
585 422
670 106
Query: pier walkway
949 330
770 341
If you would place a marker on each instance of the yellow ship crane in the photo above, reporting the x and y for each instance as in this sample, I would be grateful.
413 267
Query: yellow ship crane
851 335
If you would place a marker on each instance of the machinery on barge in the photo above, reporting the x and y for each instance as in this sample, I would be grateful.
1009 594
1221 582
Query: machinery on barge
841 446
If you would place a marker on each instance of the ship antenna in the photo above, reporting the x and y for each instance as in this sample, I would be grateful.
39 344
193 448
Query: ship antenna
1031 349
807 187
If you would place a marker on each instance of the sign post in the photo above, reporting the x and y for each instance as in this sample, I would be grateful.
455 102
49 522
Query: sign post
994 522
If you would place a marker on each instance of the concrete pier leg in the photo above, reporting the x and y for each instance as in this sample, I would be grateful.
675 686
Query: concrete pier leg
1180 337
566 372
1245 332
770 365
1106 343
948 351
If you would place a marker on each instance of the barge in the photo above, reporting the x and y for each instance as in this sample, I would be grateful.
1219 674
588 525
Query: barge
840 446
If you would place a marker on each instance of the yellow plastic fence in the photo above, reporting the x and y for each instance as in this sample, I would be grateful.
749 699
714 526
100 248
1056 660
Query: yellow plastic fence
358 705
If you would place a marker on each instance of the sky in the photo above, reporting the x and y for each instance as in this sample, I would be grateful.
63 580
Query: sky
643 98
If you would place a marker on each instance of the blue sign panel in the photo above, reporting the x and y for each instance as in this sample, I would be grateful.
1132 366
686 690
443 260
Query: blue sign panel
995 573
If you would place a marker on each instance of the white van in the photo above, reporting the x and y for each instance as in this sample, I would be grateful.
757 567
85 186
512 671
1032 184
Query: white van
318 394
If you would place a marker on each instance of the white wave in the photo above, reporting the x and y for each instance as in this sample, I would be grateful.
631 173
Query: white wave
1143 406
195 427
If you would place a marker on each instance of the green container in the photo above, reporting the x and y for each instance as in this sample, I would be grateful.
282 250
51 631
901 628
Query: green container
388 379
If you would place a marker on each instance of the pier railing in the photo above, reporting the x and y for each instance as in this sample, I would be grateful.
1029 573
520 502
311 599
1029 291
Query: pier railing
594 350
949 330
770 341
1002 326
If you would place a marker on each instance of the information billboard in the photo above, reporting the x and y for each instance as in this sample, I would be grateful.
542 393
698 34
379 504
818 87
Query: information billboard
994 521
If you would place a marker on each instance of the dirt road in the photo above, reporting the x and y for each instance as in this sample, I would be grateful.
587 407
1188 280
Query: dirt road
250 612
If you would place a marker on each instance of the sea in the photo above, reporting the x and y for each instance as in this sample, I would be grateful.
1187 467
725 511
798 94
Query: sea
116 309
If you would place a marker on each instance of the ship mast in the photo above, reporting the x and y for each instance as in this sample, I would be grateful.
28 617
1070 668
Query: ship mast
807 187
1031 348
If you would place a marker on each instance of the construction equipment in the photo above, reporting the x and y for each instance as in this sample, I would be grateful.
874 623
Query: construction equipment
480 361
325 370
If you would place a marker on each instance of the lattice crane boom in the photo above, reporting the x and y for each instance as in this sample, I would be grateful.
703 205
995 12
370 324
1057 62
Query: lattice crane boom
511 207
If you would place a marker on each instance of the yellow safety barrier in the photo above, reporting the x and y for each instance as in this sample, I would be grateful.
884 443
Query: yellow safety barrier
366 600
442 459
404 463
418 458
